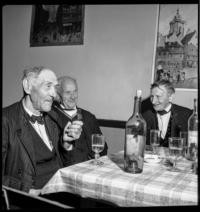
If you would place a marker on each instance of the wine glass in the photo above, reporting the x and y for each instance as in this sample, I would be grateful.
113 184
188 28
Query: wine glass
175 151
98 142
155 141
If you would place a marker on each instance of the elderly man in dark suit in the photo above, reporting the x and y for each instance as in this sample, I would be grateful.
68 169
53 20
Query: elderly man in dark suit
32 142
66 110
162 114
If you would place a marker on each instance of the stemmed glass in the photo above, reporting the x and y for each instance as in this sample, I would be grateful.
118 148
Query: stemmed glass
175 150
98 142
155 141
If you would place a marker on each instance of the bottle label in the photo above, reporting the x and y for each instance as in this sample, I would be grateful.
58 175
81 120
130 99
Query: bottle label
135 152
192 137
135 145
192 145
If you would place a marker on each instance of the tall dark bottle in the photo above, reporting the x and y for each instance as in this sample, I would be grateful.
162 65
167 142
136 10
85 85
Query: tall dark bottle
193 133
135 138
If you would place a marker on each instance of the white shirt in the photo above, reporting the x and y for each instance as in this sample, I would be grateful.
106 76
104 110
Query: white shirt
163 121
40 129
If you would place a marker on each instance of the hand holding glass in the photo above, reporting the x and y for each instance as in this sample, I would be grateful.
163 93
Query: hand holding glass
98 142
175 150
72 130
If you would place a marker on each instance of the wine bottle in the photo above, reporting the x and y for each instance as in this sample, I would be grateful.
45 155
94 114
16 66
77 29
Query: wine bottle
135 138
193 133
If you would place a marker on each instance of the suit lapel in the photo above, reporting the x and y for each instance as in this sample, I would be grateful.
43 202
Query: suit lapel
23 133
154 121
175 127
52 134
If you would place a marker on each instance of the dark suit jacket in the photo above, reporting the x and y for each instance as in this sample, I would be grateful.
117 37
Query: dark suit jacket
82 150
179 121
18 158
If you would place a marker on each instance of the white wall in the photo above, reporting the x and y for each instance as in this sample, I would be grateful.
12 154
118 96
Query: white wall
115 60
114 138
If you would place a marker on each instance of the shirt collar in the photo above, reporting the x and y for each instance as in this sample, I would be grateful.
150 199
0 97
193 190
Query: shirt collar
30 113
63 107
168 108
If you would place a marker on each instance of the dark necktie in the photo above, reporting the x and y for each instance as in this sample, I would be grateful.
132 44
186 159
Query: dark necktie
39 119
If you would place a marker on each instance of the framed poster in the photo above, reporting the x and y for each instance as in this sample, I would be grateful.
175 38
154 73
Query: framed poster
60 24
176 49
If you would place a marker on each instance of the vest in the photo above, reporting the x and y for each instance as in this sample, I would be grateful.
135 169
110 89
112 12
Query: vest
47 162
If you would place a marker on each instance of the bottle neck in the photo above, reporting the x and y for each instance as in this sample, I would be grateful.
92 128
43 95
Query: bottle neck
195 107
137 106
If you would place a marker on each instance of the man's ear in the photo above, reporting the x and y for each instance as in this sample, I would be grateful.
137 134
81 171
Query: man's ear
171 97
27 85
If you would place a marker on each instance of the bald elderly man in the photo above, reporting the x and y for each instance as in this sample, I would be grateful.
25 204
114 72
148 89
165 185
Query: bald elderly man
32 142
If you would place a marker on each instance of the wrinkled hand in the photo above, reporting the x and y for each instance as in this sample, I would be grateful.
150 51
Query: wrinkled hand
72 131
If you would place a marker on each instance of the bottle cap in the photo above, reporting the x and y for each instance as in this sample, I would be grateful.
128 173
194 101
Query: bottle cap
139 93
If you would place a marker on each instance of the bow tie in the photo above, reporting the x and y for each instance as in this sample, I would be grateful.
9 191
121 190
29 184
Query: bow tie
163 112
39 119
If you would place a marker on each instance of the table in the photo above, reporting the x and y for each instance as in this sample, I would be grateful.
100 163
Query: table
155 186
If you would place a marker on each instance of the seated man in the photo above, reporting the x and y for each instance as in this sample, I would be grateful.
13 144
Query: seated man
66 110
169 118
31 140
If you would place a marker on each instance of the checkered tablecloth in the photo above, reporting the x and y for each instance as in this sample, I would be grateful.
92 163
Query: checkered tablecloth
155 186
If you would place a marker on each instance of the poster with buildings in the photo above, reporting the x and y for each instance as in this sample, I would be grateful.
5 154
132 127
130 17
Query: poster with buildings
176 57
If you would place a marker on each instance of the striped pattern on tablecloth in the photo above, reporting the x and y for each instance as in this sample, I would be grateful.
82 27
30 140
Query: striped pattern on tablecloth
155 186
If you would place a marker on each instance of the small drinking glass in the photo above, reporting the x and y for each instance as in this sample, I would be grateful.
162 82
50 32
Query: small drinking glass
155 140
184 135
98 142
175 151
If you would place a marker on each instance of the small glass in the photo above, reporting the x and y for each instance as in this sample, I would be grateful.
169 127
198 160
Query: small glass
155 140
175 151
184 135
98 142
